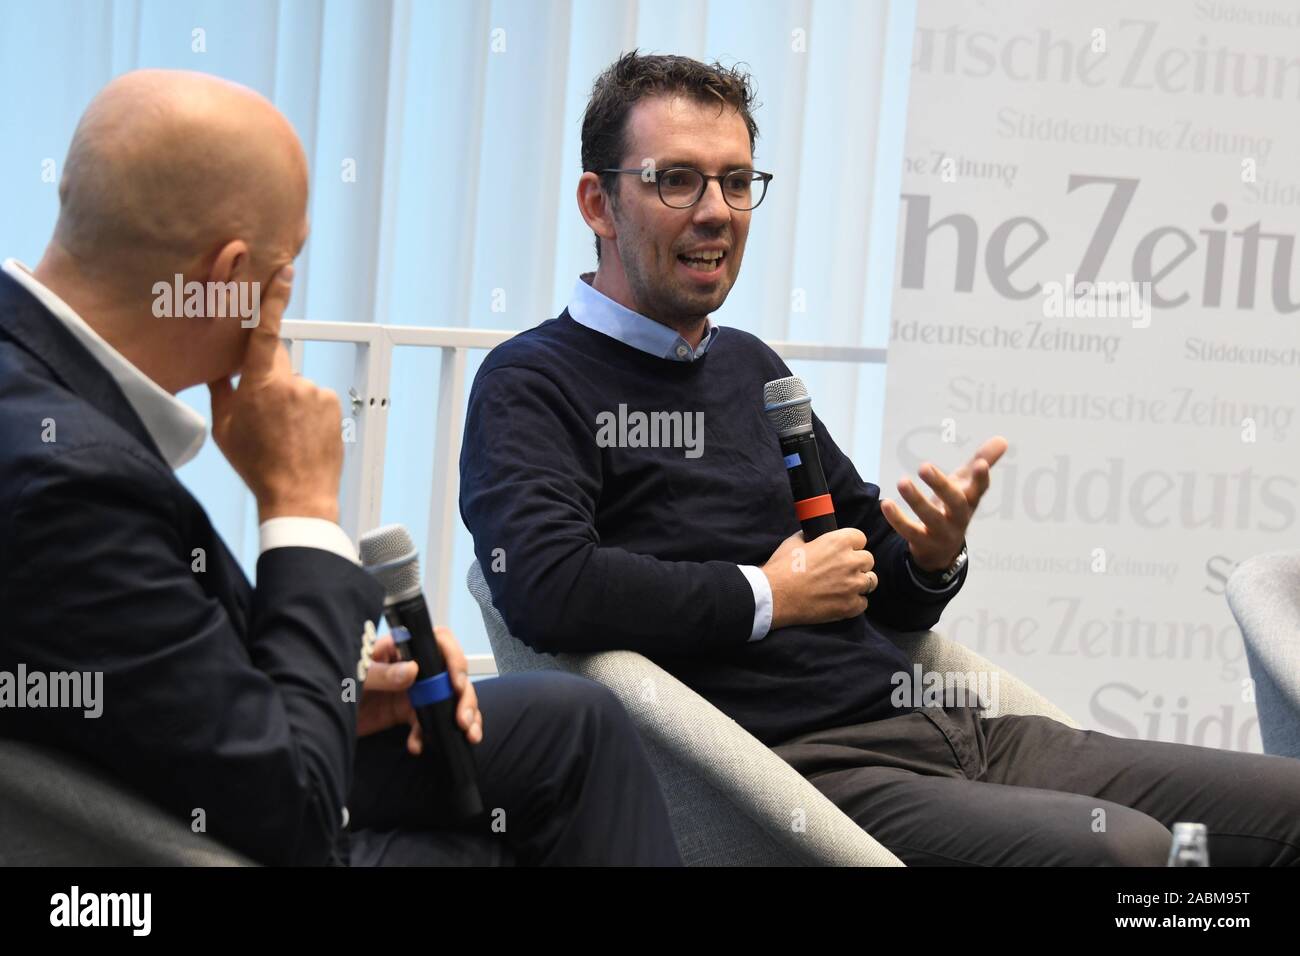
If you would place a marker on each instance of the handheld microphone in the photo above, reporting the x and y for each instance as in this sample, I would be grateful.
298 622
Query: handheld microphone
389 554
789 408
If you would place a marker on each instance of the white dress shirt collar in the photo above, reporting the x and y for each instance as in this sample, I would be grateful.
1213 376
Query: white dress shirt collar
175 428
600 313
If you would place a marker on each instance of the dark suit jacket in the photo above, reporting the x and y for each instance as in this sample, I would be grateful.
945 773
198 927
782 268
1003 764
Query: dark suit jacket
216 697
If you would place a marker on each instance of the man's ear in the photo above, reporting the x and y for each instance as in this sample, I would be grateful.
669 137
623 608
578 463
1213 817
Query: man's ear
596 207
231 263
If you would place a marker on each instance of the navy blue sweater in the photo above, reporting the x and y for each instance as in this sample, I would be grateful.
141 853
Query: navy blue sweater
588 546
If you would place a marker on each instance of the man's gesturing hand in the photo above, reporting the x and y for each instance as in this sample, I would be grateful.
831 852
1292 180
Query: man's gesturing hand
278 430
936 540
827 579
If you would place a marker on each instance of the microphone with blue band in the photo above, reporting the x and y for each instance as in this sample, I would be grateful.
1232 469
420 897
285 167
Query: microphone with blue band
788 407
389 554
431 690
422 692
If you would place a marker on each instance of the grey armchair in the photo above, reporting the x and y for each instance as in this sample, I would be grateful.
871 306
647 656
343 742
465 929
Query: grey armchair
1264 595
730 798
58 811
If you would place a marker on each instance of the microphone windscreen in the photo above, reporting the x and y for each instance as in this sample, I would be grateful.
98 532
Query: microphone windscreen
389 554
787 405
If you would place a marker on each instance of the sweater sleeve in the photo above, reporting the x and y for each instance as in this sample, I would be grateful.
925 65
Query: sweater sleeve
530 483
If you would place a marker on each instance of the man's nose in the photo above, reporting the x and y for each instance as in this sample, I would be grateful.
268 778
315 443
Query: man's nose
712 208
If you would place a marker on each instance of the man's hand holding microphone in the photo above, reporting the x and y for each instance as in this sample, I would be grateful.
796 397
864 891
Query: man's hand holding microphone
830 577
824 573
384 701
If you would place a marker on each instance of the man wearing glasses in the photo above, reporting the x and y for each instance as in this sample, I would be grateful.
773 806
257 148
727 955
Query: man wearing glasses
686 549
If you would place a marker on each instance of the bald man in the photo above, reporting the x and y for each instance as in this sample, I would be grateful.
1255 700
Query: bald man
182 206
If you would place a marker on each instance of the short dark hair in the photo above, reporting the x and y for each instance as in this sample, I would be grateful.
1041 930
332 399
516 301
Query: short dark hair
633 77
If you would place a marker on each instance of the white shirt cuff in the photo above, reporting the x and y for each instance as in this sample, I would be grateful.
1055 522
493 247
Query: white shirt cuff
306 533
930 587
762 600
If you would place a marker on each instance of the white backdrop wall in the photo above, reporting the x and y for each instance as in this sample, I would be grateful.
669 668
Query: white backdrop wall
1051 143
443 141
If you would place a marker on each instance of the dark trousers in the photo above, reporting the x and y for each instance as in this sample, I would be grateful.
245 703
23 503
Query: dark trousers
563 776
946 786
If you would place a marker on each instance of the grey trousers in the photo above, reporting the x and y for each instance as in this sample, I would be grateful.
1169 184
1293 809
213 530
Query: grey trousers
949 787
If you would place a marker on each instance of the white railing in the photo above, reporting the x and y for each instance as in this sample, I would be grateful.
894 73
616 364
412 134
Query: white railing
367 403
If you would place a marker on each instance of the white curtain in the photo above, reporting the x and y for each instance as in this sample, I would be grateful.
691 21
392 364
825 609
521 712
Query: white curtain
443 137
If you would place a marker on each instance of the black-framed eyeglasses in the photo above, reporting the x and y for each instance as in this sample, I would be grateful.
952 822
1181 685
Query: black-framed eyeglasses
681 187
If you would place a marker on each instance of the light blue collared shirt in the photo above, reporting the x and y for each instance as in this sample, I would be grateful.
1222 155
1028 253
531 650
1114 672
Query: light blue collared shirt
602 314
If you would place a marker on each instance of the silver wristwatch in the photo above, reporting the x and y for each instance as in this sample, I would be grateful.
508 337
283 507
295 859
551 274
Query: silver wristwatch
943 578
